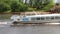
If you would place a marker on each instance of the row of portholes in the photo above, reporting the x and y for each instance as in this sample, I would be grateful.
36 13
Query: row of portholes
46 18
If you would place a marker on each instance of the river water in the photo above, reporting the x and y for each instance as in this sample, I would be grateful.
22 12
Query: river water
29 29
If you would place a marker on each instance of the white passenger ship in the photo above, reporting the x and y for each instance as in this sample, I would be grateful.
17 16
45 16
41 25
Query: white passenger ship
36 18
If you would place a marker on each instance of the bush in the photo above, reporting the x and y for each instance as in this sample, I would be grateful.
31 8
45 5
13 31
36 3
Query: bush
12 5
15 7
48 7
23 7
4 7
18 7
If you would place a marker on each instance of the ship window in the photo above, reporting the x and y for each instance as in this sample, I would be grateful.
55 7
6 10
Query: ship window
38 18
33 18
47 18
57 17
52 17
42 18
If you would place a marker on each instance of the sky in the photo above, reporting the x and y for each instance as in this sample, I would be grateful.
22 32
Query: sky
55 1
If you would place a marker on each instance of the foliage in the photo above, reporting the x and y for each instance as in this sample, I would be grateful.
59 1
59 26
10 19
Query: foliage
4 7
16 6
13 5
49 5
23 7
42 4
57 4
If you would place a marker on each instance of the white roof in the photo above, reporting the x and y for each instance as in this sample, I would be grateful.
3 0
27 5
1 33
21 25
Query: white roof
15 16
44 15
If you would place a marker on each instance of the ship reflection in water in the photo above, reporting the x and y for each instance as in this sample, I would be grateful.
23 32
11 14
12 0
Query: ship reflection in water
30 29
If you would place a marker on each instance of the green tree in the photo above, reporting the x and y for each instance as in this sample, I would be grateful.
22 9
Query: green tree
18 7
48 5
41 4
4 7
23 7
15 7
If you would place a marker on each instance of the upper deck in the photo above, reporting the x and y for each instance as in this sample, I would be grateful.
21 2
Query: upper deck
45 15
